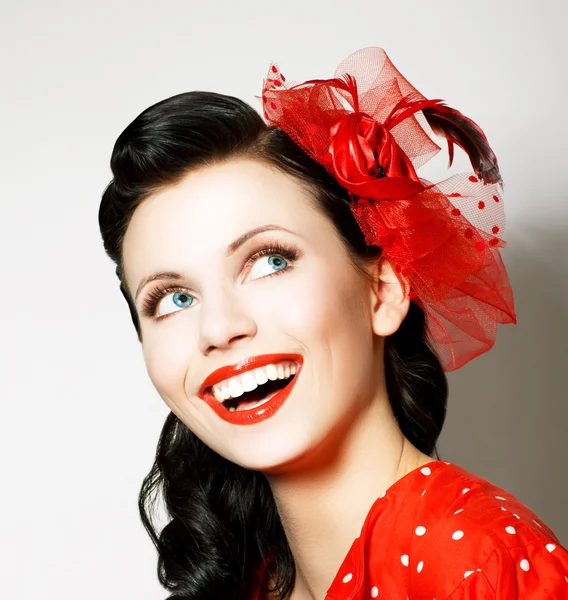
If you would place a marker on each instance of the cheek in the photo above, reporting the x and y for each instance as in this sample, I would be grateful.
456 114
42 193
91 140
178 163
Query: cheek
334 321
167 358
320 306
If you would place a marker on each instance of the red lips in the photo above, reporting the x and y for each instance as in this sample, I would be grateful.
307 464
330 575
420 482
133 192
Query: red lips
248 417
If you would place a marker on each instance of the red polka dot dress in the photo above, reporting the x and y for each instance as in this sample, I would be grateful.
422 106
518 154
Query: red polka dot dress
442 533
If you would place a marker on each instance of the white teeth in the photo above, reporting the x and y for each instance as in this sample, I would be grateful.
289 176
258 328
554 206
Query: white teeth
260 376
235 387
250 380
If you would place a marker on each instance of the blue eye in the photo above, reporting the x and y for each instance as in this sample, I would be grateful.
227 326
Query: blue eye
274 262
181 300
277 262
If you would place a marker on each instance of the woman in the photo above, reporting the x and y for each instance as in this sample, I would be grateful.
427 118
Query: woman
299 292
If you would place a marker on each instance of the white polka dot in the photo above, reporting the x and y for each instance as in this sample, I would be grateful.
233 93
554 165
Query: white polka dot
458 511
514 515
426 471
374 592
465 491
457 535
500 498
404 560
348 578
510 530
448 463
525 565
383 495
550 547
503 508
420 566
467 573
422 494
537 523
420 530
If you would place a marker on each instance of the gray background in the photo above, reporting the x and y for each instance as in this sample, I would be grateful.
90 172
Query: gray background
80 417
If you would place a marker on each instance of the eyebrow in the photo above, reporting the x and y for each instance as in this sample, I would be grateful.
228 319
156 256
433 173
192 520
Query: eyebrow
230 250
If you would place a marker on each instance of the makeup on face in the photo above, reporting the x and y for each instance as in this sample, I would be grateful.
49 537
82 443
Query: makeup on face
236 262
252 390
286 255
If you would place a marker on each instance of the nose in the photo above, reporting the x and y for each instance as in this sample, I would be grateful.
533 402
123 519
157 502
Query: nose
224 321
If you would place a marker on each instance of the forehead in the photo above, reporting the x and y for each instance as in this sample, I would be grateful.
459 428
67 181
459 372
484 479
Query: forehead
211 207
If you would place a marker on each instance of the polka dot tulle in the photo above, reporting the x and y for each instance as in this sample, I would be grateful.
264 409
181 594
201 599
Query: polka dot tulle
371 129
441 533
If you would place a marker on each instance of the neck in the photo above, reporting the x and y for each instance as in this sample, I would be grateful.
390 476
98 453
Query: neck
323 507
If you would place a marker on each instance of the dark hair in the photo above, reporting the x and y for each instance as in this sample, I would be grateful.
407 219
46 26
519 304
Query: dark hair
223 521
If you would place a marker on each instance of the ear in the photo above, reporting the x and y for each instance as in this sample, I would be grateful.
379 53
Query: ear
389 300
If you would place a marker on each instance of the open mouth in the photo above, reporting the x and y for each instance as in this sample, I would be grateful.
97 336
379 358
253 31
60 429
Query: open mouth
253 389
257 397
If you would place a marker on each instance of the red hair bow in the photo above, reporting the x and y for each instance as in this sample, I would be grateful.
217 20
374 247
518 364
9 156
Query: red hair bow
371 129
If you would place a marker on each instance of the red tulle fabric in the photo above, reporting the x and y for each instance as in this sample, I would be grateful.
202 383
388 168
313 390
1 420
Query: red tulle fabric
367 127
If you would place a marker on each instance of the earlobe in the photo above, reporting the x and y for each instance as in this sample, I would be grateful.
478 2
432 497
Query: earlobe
389 300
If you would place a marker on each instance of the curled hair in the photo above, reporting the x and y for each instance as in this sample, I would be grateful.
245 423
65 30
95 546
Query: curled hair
223 522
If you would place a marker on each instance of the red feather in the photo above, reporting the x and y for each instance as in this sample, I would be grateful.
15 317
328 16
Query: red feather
459 129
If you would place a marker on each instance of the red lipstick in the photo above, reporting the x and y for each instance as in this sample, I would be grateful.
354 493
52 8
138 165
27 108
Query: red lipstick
260 413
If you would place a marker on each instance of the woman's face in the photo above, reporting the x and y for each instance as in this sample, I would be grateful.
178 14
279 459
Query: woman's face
212 307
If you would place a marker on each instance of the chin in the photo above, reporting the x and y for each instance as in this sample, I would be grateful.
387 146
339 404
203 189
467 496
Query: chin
282 451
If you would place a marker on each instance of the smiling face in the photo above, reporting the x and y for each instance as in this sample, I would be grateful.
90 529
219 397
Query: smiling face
226 294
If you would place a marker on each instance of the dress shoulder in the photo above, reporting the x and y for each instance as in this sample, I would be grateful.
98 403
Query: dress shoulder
482 543
443 533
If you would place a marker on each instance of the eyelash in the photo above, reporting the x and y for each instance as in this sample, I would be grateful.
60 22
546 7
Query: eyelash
289 252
